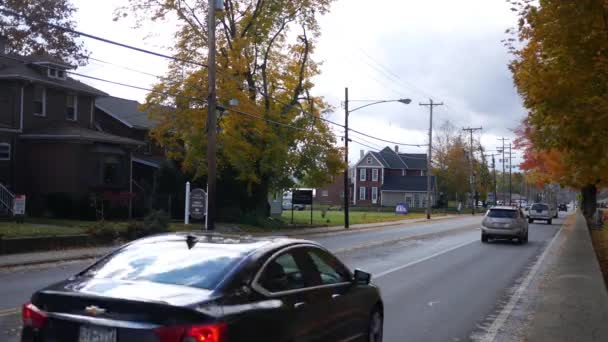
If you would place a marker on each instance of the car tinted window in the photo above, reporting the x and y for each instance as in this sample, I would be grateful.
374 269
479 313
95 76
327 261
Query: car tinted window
539 207
328 268
168 262
282 274
502 213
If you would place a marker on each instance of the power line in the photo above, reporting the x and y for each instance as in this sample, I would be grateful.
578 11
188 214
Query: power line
177 59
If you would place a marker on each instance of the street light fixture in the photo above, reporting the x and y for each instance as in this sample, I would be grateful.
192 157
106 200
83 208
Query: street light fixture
346 170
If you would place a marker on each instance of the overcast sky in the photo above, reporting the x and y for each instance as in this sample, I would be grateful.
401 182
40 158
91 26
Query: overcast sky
448 50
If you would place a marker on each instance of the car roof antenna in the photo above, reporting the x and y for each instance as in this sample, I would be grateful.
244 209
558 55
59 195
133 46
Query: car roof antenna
191 240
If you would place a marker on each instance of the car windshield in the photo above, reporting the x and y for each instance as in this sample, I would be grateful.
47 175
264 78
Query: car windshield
539 207
502 213
168 262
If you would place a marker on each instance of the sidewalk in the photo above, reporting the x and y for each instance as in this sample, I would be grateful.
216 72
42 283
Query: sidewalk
572 302
24 259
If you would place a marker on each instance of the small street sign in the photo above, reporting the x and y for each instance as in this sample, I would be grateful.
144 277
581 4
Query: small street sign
198 201
301 197
19 205
401 208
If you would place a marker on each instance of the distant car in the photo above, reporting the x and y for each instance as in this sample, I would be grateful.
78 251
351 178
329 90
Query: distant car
541 212
287 206
504 222
563 207
185 287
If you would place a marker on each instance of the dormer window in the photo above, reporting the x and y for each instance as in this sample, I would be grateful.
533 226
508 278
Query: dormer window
56 73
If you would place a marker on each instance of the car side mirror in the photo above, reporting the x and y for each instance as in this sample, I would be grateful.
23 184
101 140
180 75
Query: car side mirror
361 277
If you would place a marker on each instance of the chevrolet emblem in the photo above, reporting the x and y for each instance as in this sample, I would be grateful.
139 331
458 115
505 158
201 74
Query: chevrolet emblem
94 310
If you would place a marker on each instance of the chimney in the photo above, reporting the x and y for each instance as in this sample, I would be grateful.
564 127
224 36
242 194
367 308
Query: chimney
362 153
397 148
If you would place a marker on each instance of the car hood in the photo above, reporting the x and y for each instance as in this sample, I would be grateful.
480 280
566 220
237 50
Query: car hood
177 295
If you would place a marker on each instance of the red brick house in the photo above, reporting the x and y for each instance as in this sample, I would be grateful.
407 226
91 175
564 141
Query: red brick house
48 140
388 177
333 193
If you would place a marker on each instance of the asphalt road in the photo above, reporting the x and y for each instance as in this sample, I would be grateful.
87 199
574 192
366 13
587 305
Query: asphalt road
438 281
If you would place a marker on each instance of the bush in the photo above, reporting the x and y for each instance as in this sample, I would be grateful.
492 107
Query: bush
323 212
135 230
102 231
157 221
60 204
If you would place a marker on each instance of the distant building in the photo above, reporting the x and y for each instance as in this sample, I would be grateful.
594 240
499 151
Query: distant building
388 177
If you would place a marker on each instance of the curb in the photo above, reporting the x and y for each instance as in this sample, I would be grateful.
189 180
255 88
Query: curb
51 261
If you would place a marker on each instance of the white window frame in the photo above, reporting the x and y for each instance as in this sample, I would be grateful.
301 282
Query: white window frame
369 159
8 146
324 193
374 195
374 175
362 193
362 175
402 172
43 114
57 71
75 96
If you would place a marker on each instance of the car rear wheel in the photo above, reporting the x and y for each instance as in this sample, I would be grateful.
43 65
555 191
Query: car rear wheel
549 221
530 220
375 326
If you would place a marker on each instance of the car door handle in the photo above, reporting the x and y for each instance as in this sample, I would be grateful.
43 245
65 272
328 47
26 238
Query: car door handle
299 305
335 295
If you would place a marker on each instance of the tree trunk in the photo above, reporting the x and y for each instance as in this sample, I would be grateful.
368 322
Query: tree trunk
589 202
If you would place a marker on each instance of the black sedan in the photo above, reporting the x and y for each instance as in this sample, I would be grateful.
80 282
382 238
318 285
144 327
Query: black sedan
187 287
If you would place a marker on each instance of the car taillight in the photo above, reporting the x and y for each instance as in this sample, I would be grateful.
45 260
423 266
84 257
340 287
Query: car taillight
32 316
197 333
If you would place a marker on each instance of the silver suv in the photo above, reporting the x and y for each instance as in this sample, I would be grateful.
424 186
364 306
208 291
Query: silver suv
542 212
504 223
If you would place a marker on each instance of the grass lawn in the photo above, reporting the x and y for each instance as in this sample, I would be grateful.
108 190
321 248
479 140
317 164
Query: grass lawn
336 218
49 227
600 244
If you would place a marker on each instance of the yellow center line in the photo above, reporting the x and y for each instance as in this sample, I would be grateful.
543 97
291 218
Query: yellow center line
9 312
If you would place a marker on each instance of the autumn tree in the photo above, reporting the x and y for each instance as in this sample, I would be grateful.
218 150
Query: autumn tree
275 134
29 33
561 71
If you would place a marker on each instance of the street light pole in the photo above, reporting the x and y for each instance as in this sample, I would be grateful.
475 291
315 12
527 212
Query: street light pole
346 170
346 114
431 104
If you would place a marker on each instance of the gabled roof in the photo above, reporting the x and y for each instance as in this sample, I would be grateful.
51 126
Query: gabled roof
414 161
126 111
392 158
16 67
407 183
379 157
70 131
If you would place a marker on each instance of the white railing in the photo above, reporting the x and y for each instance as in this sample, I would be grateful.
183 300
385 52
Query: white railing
6 198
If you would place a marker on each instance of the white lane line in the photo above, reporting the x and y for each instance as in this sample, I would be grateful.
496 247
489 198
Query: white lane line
502 317
387 272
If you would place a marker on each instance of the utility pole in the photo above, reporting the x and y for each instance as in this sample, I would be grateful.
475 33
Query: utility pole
211 119
510 173
431 104
346 170
502 182
494 169
472 176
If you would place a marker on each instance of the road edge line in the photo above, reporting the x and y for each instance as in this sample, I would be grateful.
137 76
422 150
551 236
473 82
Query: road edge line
412 263
504 314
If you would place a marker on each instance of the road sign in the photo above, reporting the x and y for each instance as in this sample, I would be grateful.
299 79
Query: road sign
301 197
401 208
198 200
19 205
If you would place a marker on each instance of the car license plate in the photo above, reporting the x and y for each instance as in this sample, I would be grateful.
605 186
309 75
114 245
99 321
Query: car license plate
90 333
